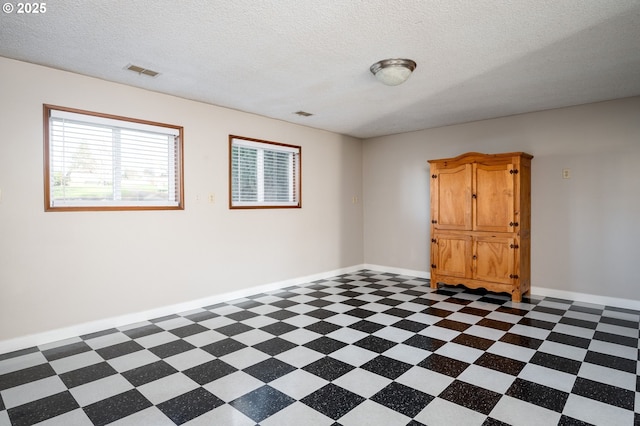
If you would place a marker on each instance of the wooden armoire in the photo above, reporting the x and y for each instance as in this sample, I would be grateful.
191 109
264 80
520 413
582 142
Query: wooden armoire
481 222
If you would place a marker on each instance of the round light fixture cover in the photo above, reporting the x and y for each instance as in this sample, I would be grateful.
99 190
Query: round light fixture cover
393 71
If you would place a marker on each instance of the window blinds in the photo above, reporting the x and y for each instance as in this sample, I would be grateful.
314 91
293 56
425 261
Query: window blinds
264 174
98 161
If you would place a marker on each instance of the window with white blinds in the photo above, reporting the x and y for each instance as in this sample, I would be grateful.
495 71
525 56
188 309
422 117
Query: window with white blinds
103 162
263 174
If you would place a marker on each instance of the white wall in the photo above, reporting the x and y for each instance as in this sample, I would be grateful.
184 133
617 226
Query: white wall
59 269
585 230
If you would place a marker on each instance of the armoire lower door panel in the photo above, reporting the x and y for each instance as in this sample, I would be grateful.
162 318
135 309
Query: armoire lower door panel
453 255
494 259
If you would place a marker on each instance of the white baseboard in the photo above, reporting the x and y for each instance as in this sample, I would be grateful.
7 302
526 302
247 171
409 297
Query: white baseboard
587 298
56 335
400 271
119 321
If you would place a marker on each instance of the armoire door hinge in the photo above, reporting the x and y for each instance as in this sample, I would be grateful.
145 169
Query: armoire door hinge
514 277
434 176
433 266
433 240
513 171
514 246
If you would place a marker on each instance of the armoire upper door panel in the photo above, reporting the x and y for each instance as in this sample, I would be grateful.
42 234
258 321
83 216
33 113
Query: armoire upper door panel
452 198
493 197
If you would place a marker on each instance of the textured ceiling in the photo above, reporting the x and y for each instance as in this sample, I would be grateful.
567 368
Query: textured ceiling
476 59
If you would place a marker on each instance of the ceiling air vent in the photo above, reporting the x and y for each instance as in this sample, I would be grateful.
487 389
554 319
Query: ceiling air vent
303 113
141 70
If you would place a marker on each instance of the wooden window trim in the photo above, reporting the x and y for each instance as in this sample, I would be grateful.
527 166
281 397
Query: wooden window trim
47 108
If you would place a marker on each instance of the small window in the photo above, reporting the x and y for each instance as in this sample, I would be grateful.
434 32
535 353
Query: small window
263 174
103 162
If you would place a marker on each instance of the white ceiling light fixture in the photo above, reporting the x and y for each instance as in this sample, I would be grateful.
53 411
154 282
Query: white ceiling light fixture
393 71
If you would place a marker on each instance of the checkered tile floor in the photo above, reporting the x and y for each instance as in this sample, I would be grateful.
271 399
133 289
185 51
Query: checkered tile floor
361 349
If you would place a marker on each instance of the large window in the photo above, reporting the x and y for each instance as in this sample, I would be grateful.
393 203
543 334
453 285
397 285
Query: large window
103 162
263 174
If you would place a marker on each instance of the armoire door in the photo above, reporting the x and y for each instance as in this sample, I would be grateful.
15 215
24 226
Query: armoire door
452 255
494 259
451 198
493 197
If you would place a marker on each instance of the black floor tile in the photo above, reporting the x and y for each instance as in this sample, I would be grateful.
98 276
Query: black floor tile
188 330
512 311
119 349
275 346
453 325
620 322
333 401
190 405
565 339
18 353
26 375
500 363
42 409
375 344
209 371
201 316
283 304
322 327
87 374
281 314
262 403
366 326
474 311
590 325
424 342
117 407
386 367
495 324
325 345
360 313
403 399
444 365
269 369
148 373
556 362
171 348
519 340
409 325
164 318
241 315
535 323
602 392
436 312
490 421
570 421
248 304
397 312
65 351
278 328
328 368
223 347
145 330
319 303
98 334
233 329
471 396
473 341
611 361
543 396
617 339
